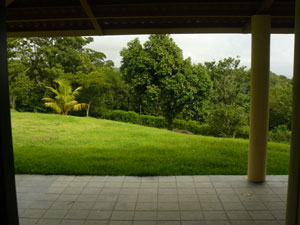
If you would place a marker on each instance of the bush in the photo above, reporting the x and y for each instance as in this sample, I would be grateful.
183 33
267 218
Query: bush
152 121
158 122
192 126
122 116
243 132
280 134
226 120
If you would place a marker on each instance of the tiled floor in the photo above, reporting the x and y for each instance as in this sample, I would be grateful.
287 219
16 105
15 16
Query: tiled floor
180 200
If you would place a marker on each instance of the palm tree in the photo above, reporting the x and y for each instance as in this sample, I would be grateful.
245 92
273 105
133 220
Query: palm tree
64 101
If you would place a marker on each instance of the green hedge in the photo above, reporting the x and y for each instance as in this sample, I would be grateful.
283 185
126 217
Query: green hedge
279 134
152 121
192 126
122 116
158 122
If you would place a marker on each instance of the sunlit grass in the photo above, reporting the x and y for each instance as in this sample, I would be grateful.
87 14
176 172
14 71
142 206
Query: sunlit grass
56 144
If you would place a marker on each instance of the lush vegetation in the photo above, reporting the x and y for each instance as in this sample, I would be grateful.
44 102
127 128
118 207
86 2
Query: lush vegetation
57 144
154 80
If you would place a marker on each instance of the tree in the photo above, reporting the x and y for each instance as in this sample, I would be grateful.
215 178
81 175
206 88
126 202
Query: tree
47 59
64 101
202 87
280 101
134 68
230 97
226 120
159 75
119 96
95 87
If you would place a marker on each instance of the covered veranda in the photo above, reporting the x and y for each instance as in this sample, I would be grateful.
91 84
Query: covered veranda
43 18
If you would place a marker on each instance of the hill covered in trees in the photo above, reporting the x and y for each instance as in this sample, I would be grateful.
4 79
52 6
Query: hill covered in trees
154 79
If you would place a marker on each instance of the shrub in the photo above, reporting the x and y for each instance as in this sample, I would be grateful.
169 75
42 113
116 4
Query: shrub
122 116
159 122
280 134
226 120
192 126
243 132
152 121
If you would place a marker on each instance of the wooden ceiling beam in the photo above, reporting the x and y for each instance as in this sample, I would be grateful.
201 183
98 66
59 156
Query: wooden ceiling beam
53 33
87 8
8 2
183 30
264 7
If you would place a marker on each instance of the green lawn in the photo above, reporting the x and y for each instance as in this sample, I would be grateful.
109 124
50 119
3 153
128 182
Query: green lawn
55 144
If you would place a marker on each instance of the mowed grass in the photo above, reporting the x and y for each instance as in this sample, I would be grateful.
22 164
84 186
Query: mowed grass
56 144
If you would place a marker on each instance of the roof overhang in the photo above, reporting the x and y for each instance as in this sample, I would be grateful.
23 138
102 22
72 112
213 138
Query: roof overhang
38 18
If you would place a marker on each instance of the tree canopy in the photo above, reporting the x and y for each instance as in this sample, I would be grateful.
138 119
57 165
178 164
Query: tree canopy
160 77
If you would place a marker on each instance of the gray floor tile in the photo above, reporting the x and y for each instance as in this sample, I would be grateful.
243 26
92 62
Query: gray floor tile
214 215
144 222
238 215
33 213
55 214
168 222
211 206
122 215
82 205
103 206
233 206
72 222
125 206
261 215
169 206
191 215
99 215
77 214
95 222
193 223
145 215
26 221
143 206
120 223
62 205
49 222
168 215
187 206
182 200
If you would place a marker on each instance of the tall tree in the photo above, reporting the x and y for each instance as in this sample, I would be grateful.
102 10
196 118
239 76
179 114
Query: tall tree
280 101
229 100
95 87
159 75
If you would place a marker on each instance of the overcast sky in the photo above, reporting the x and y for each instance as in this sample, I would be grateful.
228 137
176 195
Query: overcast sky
208 47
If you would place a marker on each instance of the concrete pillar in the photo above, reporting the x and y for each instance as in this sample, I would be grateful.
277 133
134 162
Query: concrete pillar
8 204
293 200
259 109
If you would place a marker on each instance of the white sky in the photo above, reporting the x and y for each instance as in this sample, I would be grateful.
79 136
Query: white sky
208 47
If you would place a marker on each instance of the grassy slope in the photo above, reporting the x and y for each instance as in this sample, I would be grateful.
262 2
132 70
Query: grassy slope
55 144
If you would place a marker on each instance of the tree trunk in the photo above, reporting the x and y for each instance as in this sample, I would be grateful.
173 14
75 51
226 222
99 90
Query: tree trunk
13 102
88 109
170 123
140 110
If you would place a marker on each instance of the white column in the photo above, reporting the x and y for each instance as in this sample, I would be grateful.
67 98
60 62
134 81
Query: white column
259 108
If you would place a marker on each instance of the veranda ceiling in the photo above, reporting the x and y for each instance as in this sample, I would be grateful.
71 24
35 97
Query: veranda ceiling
27 18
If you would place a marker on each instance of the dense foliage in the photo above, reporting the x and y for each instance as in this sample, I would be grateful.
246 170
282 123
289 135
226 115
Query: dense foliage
161 87
163 82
